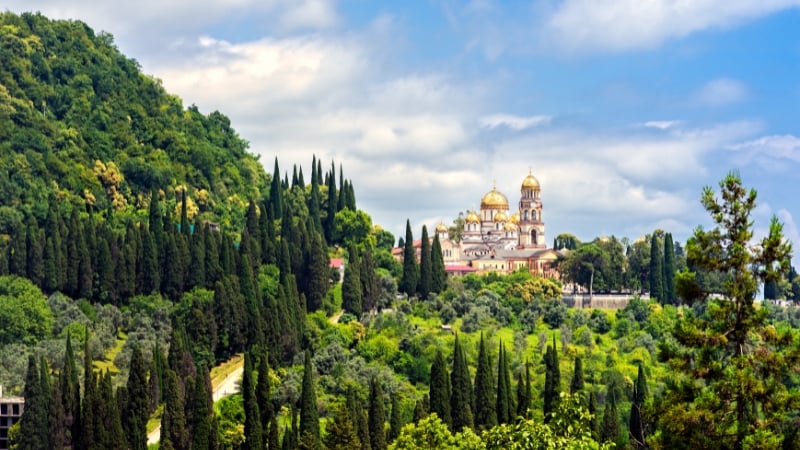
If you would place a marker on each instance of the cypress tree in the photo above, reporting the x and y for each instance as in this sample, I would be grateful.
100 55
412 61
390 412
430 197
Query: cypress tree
593 420
70 390
4 255
33 432
636 425
263 396
309 416
377 416
173 421
151 277
137 410
57 424
202 437
313 208
461 390
439 392
196 276
505 403
18 263
35 252
438 272
609 429
359 416
552 383
253 428
341 432
87 417
369 283
425 266
656 270
318 274
485 413
523 391
275 191
396 422
153 385
408 282
576 384
85 270
109 417
669 269
333 204
351 285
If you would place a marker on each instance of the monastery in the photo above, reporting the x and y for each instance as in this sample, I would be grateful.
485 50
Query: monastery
495 239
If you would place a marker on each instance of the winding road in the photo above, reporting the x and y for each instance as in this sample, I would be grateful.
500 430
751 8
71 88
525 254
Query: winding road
227 387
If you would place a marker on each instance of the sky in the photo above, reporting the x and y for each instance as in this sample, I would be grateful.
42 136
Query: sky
623 109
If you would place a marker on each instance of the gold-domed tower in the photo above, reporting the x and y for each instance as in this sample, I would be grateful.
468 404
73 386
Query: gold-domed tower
531 226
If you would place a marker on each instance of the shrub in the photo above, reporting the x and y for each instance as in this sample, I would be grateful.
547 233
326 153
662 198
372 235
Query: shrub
598 322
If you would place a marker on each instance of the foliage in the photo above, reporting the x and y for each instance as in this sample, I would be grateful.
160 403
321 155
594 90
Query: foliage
567 430
432 433
24 313
733 372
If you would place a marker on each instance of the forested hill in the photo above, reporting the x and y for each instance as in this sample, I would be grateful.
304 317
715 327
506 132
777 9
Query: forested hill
80 122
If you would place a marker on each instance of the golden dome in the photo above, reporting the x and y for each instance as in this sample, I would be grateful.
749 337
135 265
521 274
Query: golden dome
530 182
510 226
514 218
472 217
441 228
494 199
501 217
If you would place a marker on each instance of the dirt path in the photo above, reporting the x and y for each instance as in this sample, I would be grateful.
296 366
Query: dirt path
226 387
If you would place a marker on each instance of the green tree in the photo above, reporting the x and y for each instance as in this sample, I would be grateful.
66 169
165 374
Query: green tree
505 403
408 282
25 316
137 409
636 425
576 383
425 285
656 269
33 424
253 428
439 392
552 381
309 416
669 269
377 416
730 365
524 391
485 413
582 264
438 271
568 430
397 420
431 433
461 403
351 285
202 437
610 427
174 430
341 432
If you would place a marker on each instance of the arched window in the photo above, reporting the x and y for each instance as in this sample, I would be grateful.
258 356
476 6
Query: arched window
533 237
526 215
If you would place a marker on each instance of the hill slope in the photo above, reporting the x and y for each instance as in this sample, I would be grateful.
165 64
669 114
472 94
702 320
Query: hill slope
80 121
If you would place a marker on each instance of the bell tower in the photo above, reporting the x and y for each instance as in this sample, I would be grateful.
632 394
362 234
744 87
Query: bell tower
531 226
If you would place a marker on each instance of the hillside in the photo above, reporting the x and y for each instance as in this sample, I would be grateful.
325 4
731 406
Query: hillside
80 122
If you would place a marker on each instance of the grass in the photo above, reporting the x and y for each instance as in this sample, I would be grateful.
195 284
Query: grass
107 364
155 419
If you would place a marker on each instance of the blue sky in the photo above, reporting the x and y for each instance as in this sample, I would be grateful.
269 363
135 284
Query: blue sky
623 109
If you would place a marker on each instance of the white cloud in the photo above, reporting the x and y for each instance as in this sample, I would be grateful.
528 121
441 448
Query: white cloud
623 25
721 92
773 153
663 124
516 123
